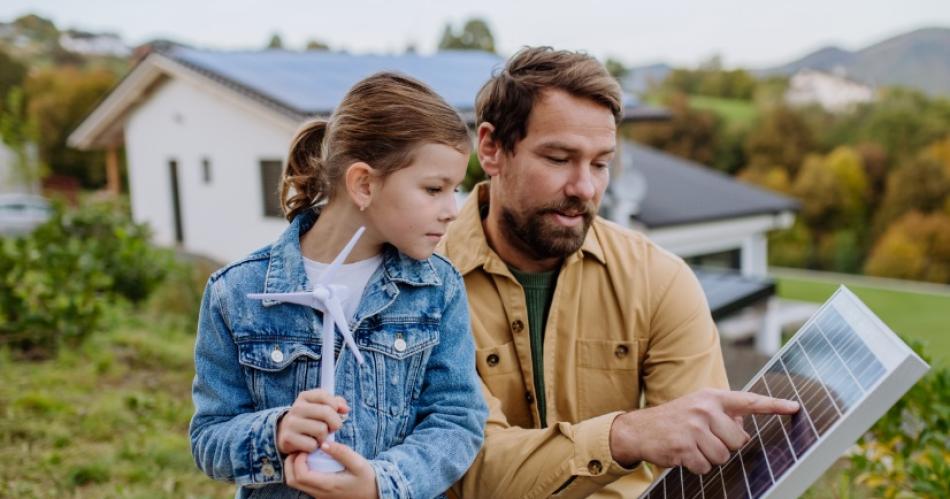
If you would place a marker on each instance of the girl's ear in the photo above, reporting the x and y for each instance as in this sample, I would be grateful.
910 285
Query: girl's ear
488 149
361 183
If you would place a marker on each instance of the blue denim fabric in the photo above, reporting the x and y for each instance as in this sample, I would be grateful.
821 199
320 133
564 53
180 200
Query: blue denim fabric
417 413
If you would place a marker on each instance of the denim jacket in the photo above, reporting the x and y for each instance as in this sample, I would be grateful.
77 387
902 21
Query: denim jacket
417 411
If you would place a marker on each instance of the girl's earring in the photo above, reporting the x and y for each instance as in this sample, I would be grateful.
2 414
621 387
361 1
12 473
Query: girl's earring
363 207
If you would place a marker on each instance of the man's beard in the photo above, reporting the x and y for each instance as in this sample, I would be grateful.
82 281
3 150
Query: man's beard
537 236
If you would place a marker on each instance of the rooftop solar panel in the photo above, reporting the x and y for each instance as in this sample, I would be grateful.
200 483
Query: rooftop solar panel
845 368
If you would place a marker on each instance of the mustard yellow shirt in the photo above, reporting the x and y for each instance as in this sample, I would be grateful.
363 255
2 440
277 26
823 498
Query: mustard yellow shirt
628 325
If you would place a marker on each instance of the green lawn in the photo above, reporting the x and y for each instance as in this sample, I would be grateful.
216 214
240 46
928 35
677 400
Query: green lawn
107 419
736 112
921 316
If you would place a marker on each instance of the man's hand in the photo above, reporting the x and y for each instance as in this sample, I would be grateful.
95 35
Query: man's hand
357 481
314 415
696 431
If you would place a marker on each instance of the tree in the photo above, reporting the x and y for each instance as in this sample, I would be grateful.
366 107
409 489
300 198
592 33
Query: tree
689 133
939 151
922 185
616 68
37 28
275 42
774 178
781 138
475 35
19 133
876 164
902 121
833 190
791 247
316 45
12 73
58 100
917 246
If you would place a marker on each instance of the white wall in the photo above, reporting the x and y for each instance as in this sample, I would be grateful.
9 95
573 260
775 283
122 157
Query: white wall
183 121
746 234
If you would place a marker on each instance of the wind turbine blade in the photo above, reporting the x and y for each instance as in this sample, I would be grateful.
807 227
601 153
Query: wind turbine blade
336 312
327 275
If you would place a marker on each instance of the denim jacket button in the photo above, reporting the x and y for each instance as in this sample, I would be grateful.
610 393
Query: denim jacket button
399 345
277 355
267 469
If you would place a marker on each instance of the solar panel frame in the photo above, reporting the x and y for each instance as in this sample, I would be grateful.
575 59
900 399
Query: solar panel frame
902 368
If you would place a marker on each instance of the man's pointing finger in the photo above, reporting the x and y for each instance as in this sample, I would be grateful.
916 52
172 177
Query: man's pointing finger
745 403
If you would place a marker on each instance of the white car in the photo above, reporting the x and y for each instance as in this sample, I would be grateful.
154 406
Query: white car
21 213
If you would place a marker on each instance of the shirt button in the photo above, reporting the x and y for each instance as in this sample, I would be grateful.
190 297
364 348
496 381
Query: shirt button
529 397
621 351
267 469
277 355
399 345
517 326
594 467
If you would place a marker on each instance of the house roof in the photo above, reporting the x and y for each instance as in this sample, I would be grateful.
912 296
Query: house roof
314 82
728 291
679 191
297 85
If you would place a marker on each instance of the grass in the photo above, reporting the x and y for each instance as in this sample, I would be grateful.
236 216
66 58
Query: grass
918 315
737 113
109 419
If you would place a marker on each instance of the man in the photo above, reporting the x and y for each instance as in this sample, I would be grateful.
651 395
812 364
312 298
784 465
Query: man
577 320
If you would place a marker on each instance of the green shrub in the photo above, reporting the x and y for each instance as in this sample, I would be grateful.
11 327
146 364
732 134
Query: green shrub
905 454
57 279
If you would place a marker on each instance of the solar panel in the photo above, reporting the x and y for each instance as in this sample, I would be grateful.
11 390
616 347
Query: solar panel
845 368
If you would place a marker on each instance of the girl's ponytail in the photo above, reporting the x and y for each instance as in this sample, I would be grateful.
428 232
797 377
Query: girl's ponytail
304 183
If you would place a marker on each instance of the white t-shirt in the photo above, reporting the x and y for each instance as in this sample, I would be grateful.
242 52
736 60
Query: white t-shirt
355 276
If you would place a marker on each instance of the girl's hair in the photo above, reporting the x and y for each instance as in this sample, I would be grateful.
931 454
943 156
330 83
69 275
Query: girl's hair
381 121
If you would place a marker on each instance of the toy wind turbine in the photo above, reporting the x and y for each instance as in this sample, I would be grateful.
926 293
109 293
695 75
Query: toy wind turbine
328 299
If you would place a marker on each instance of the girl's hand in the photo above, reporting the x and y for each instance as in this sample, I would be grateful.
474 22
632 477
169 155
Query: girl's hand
357 480
314 415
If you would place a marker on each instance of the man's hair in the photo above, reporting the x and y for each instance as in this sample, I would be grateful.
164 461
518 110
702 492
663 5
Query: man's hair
507 99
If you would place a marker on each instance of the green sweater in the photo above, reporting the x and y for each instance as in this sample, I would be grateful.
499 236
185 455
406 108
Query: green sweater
538 291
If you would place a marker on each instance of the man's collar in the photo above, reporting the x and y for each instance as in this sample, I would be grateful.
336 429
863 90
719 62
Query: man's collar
467 247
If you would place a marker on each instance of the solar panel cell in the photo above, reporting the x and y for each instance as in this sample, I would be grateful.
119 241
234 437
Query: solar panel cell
755 465
733 478
713 487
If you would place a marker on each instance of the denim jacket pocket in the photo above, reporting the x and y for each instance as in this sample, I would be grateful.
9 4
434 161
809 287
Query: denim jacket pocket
396 355
278 369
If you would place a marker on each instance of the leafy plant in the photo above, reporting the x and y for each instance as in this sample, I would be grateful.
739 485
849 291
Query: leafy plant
905 453
57 279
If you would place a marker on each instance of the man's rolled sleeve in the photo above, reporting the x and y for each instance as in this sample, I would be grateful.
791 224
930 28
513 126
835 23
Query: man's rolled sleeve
593 465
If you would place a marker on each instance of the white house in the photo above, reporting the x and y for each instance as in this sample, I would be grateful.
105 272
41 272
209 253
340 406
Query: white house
206 133
831 91
81 42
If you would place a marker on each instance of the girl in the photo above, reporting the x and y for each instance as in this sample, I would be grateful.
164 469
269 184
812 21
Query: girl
410 419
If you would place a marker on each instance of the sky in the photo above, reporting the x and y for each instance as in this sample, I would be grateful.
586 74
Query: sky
744 33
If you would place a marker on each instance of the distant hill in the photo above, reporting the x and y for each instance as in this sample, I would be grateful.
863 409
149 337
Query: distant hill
918 59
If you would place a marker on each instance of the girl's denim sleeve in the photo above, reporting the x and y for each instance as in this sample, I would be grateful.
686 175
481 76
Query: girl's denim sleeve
450 409
229 440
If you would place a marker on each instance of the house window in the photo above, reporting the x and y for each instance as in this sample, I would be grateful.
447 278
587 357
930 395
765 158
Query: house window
271 170
206 170
724 260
